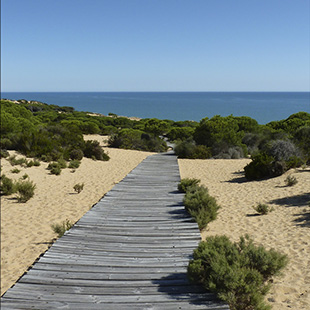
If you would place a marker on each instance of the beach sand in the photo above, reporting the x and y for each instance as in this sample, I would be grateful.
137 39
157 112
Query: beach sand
26 227
286 229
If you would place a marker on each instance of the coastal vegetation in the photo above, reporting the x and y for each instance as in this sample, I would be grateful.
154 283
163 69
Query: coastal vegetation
290 180
52 133
263 209
198 203
61 228
274 148
78 187
23 188
239 273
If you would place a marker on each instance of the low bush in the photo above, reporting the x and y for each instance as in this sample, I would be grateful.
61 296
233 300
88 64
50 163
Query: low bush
32 163
13 161
76 154
60 229
259 167
55 168
186 183
239 273
36 163
266 166
235 152
201 152
7 186
4 153
263 209
25 176
283 150
62 163
94 150
290 180
184 149
78 187
46 158
25 190
295 162
29 163
200 205
74 164
15 170
188 149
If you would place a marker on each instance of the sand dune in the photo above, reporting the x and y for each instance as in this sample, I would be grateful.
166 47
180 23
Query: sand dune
286 229
26 231
26 227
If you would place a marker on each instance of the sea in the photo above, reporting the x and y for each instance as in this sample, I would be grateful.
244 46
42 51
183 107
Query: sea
178 106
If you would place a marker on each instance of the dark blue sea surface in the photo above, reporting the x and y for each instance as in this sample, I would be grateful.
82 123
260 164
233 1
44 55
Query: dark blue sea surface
262 106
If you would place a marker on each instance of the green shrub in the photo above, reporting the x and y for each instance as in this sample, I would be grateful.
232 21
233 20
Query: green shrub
4 153
29 164
290 180
25 176
76 154
180 133
137 140
36 163
93 149
74 164
32 163
294 162
13 161
260 166
62 163
52 165
78 187
45 158
186 183
185 149
25 190
200 205
60 229
201 152
15 170
55 168
7 186
263 208
188 149
5 143
239 273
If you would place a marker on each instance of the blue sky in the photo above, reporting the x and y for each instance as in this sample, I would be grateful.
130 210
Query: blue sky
155 45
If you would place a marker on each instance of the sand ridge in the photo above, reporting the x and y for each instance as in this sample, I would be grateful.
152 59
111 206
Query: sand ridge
26 227
286 229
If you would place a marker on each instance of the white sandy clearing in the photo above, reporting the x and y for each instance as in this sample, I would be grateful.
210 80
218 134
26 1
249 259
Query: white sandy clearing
286 229
26 227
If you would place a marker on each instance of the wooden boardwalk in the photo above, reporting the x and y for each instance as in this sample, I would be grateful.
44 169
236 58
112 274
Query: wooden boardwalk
130 251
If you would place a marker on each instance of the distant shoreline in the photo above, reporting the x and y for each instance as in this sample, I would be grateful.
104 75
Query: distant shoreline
178 106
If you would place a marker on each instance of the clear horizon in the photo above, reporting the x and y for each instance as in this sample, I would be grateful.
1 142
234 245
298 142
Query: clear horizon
154 91
155 46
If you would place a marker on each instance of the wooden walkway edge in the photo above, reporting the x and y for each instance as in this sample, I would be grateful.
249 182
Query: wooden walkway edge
130 251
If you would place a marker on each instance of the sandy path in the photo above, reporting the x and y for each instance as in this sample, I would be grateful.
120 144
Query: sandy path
26 227
287 229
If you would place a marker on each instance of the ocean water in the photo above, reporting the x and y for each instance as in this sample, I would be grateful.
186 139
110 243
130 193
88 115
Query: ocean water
262 106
